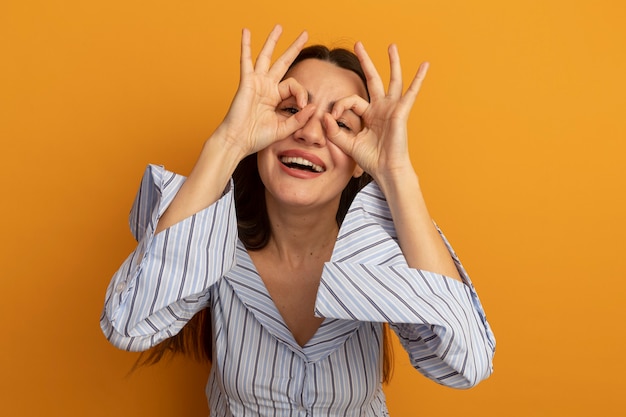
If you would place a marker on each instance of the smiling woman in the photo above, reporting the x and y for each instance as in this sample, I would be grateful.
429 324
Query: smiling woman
284 263
325 84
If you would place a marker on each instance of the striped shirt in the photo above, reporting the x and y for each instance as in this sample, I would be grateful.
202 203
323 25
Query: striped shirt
258 368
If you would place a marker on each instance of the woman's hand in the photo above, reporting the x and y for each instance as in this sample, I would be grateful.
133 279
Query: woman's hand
252 123
381 147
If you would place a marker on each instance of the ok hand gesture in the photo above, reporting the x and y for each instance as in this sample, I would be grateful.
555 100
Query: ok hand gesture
381 147
252 122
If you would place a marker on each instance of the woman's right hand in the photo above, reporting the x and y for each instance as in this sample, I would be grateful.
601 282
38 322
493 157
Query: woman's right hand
252 122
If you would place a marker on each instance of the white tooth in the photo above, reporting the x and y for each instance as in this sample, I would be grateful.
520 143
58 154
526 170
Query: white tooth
301 161
304 162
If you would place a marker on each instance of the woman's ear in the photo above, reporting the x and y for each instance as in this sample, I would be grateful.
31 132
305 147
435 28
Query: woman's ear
358 171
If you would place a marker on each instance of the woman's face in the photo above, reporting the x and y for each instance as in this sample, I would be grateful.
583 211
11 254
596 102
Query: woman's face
306 169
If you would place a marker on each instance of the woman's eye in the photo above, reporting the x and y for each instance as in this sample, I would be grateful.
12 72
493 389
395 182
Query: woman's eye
342 125
290 110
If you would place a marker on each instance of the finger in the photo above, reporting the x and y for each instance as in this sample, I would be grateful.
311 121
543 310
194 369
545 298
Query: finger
283 62
245 63
336 135
295 122
374 82
355 103
264 59
416 85
292 88
395 81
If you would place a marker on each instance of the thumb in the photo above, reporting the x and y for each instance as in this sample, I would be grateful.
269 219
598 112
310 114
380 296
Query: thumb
337 136
295 122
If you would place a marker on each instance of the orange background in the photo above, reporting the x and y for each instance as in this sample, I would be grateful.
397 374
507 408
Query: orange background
518 136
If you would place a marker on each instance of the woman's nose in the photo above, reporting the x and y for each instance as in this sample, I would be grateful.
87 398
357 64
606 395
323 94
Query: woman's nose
313 132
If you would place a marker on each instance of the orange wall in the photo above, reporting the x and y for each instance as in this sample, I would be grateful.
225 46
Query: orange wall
519 137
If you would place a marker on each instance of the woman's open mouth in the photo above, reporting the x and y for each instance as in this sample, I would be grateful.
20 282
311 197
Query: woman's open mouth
296 162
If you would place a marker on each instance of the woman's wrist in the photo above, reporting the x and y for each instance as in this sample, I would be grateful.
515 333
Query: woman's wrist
206 182
224 140
398 180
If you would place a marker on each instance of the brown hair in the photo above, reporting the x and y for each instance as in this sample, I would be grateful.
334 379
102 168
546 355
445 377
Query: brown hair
195 339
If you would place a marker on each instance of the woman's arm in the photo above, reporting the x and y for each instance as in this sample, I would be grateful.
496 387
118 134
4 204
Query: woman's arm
439 321
206 183
418 237
166 279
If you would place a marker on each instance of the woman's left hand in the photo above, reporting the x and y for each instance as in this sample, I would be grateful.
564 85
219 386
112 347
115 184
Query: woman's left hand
381 147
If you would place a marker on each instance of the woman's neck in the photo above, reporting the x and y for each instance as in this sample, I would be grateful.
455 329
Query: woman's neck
302 235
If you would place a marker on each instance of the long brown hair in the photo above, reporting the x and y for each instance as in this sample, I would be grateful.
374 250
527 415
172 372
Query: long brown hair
253 227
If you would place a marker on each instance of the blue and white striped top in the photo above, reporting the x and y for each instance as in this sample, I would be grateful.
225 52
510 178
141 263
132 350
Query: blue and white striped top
258 368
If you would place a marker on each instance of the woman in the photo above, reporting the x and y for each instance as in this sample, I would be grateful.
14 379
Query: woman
295 295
